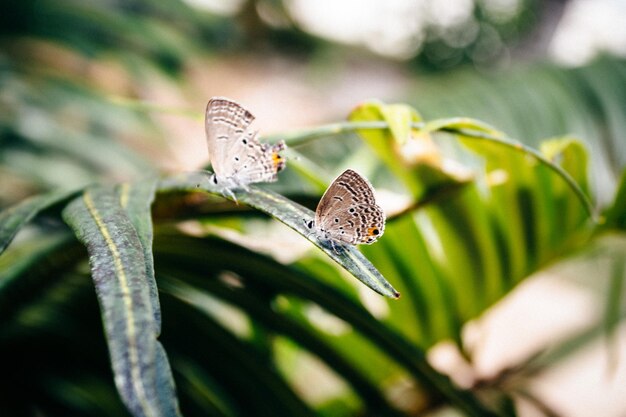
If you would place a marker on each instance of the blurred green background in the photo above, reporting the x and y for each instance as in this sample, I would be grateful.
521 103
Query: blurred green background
113 91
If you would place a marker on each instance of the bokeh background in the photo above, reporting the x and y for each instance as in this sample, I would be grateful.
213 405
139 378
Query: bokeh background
113 91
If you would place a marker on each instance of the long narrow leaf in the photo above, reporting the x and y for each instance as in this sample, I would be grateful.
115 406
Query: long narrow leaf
13 218
616 212
296 331
226 256
295 216
239 367
119 272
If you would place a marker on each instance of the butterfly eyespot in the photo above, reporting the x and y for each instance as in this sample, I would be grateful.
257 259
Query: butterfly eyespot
336 220
352 210
236 158
373 231
245 141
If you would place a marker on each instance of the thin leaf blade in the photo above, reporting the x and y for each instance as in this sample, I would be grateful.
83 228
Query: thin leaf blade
616 213
295 216
15 217
119 274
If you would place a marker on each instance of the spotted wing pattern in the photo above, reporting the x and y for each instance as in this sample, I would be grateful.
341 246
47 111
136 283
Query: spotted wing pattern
348 211
236 155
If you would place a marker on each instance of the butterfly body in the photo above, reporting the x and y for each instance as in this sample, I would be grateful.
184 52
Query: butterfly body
236 155
348 213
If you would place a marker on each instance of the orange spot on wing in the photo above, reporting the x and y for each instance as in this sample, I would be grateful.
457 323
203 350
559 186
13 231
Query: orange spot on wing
278 161
373 231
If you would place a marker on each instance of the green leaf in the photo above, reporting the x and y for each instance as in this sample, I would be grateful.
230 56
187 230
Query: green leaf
481 139
456 123
118 269
571 155
471 267
615 215
30 268
413 158
399 117
295 216
402 257
614 299
189 256
297 331
137 199
13 218
237 364
203 392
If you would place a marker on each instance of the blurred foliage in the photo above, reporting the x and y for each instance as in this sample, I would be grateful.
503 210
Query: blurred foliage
535 102
158 33
496 226
164 32
242 325
489 33
62 63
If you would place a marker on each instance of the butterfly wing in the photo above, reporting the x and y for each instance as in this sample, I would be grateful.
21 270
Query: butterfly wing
235 152
226 122
254 161
348 211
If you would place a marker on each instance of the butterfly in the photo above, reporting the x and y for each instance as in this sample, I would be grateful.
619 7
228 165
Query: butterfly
236 155
348 213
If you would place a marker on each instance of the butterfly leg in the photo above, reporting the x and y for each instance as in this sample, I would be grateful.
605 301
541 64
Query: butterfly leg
227 192
333 246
